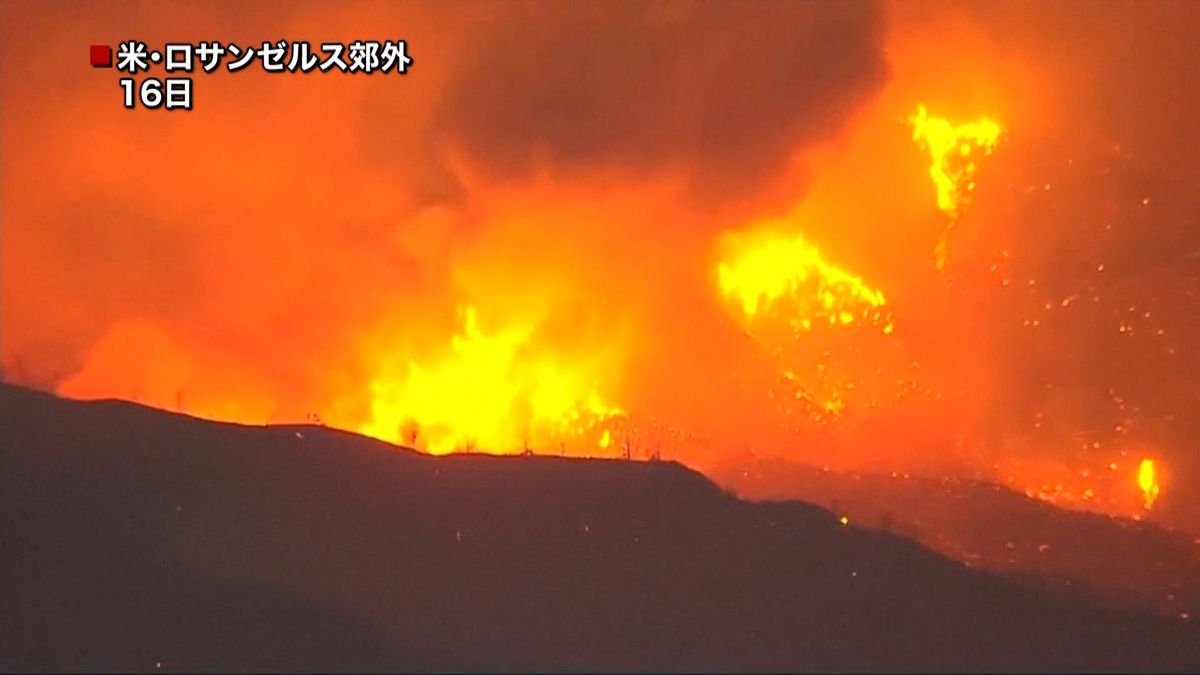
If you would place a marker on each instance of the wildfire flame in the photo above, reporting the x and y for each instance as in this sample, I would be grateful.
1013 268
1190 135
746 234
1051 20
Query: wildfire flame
763 274
487 393
1148 483
775 282
952 168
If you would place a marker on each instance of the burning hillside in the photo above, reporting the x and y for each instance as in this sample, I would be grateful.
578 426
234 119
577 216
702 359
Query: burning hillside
989 526
928 238
141 540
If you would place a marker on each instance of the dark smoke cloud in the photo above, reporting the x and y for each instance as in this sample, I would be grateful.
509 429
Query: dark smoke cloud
287 214
725 90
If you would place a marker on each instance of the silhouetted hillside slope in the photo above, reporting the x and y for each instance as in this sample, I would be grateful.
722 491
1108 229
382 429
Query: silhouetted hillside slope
990 526
134 537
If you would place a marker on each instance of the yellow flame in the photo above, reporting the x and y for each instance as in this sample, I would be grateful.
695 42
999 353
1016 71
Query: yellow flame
1148 483
485 393
774 281
952 168
764 273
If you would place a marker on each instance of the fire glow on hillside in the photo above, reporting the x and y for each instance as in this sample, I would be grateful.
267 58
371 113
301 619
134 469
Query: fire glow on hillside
953 167
518 258
483 395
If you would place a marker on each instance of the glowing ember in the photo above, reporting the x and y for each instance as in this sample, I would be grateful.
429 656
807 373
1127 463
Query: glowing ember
953 168
1147 482
486 393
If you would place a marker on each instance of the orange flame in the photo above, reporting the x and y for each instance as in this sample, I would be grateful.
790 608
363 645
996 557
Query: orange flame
1148 483
762 274
952 168
774 282
486 393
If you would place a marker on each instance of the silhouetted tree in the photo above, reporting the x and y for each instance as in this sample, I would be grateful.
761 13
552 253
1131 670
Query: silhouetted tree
411 431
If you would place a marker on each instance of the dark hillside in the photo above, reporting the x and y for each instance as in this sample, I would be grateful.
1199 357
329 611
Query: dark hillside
134 537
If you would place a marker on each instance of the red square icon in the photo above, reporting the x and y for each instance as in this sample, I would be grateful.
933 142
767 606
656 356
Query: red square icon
101 56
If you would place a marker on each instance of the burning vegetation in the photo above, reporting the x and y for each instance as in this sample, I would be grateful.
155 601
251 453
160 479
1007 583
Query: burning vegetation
488 392
1148 482
952 149
521 261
